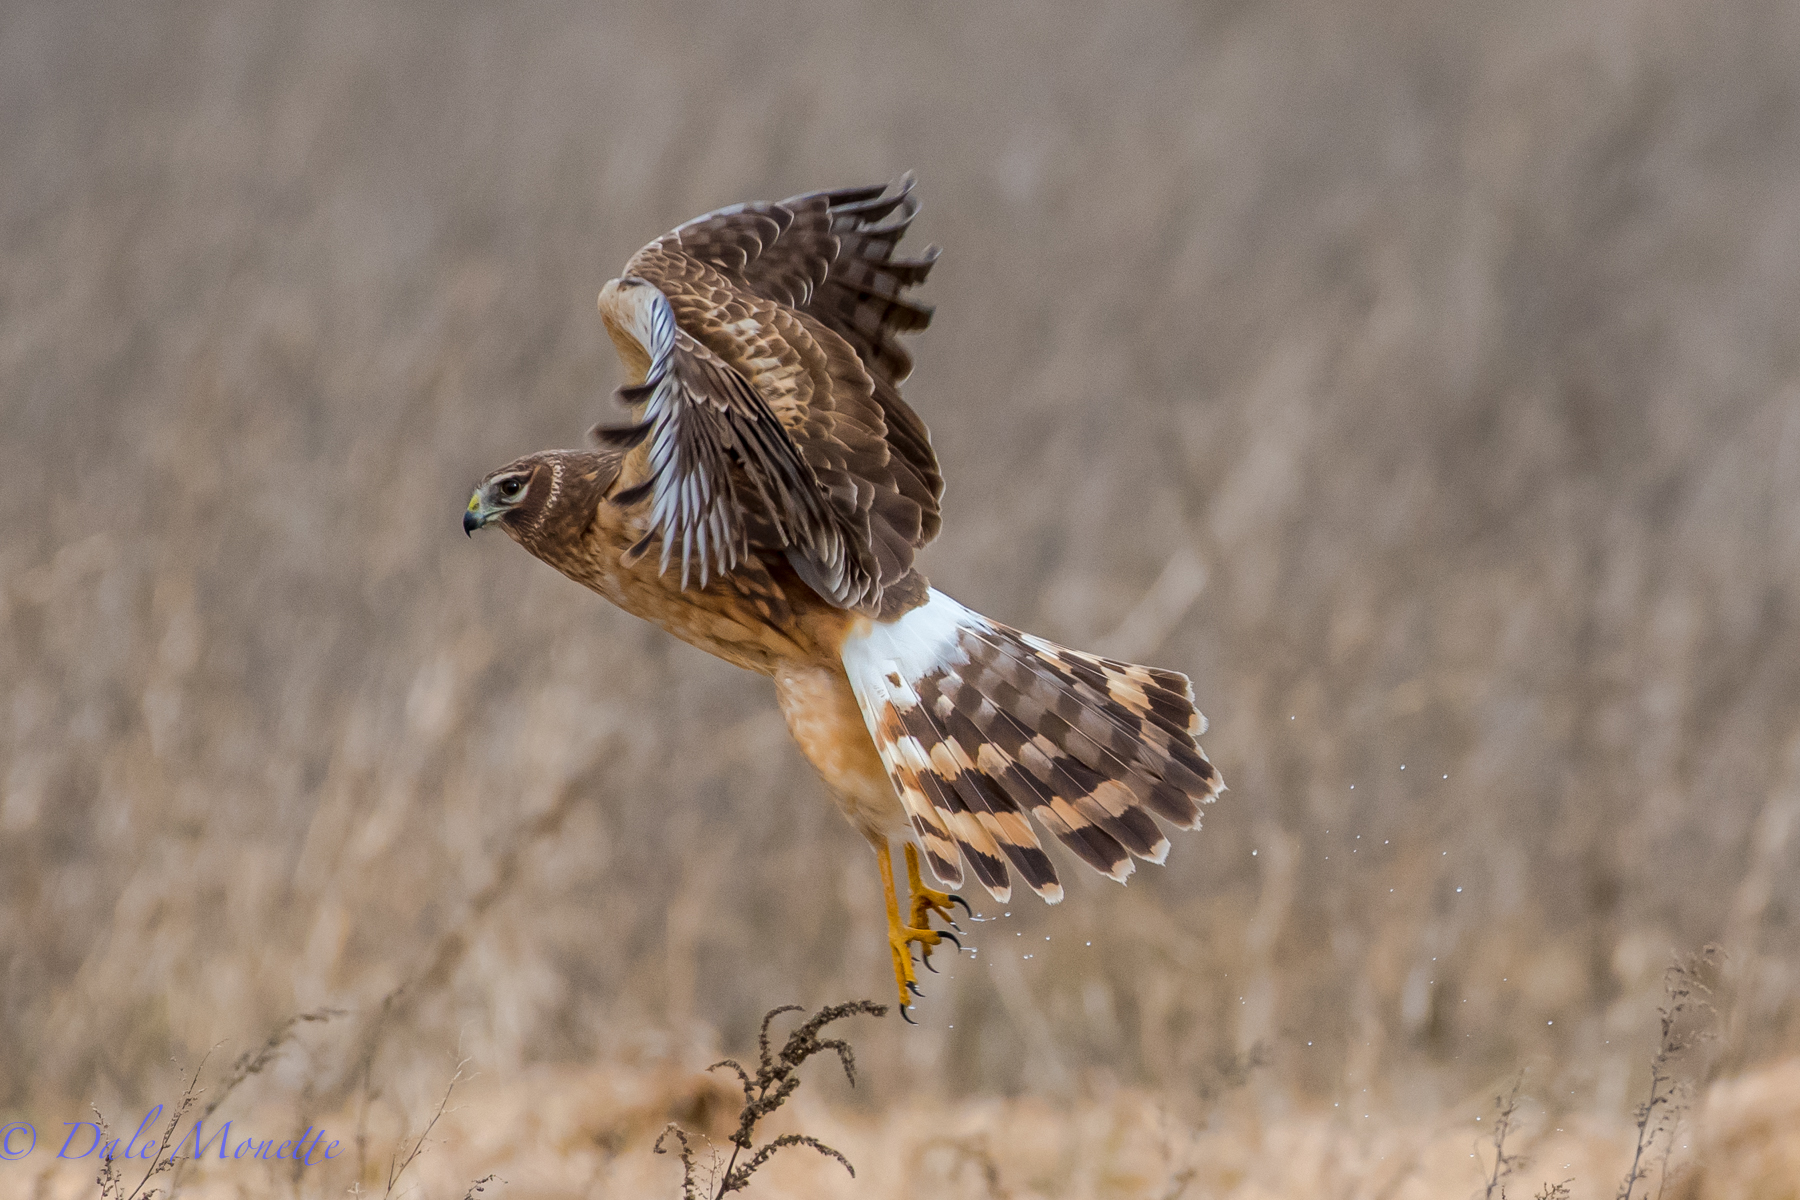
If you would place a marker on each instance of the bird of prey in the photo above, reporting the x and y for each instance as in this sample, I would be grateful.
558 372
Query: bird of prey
767 502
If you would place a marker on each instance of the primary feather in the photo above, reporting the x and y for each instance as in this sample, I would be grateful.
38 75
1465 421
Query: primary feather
770 401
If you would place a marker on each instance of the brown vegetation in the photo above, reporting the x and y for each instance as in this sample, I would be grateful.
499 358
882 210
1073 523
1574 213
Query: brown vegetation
1420 378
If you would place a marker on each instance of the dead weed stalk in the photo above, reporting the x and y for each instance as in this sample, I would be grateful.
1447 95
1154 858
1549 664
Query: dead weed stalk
1505 1109
255 1062
777 1078
110 1180
397 1166
1686 999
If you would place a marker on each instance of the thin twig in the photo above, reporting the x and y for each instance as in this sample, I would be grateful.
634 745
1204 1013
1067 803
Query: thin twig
479 1186
1685 993
1505 1107
394 1173
111 1181
254 1062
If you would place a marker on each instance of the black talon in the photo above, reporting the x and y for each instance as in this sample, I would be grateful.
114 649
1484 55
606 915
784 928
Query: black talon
951 938
914 989
904 1017
928 965
965 904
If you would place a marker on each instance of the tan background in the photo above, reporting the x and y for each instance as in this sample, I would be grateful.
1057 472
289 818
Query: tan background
1423 379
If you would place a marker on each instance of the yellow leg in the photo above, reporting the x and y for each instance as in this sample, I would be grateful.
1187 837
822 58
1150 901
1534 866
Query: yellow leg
927 901
902 937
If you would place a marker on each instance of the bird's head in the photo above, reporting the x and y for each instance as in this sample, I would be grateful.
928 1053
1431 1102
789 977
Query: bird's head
532 494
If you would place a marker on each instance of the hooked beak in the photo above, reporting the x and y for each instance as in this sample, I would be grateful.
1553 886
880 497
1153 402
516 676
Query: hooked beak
477 514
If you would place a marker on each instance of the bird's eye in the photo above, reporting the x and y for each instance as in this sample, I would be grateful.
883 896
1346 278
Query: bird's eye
510 487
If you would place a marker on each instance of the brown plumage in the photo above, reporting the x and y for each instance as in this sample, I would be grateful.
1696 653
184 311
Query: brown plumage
766 504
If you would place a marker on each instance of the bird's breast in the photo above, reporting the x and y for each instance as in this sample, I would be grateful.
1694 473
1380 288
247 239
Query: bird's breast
749 617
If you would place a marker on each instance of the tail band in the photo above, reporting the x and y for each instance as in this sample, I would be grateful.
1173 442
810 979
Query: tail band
979 725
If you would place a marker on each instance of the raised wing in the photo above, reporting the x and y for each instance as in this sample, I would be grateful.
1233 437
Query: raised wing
722 465
786 313
829 254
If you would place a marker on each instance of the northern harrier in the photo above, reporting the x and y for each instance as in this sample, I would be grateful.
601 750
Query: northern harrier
766 506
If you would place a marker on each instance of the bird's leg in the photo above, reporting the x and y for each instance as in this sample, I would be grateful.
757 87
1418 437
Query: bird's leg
902 937
927 901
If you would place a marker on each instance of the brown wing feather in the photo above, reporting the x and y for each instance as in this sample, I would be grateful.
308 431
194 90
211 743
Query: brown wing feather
862 299
721 466
831 256
828 253
801 301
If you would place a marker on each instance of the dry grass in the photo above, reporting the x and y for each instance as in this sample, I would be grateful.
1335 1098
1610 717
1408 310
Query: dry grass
1421 378
575 1134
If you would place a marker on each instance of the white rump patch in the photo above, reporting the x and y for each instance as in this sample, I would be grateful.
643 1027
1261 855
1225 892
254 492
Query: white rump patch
885 658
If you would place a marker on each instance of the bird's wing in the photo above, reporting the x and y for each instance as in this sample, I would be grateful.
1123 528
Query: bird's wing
720 462
831 255
766 421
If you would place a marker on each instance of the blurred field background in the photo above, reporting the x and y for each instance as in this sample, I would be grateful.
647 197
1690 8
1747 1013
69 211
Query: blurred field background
1422 379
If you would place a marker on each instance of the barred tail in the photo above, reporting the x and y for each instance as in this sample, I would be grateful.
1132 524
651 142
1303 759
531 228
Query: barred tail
980 725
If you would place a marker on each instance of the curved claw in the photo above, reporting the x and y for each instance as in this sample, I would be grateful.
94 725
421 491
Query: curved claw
949 937
905 1017
929 967
914 989
959 900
